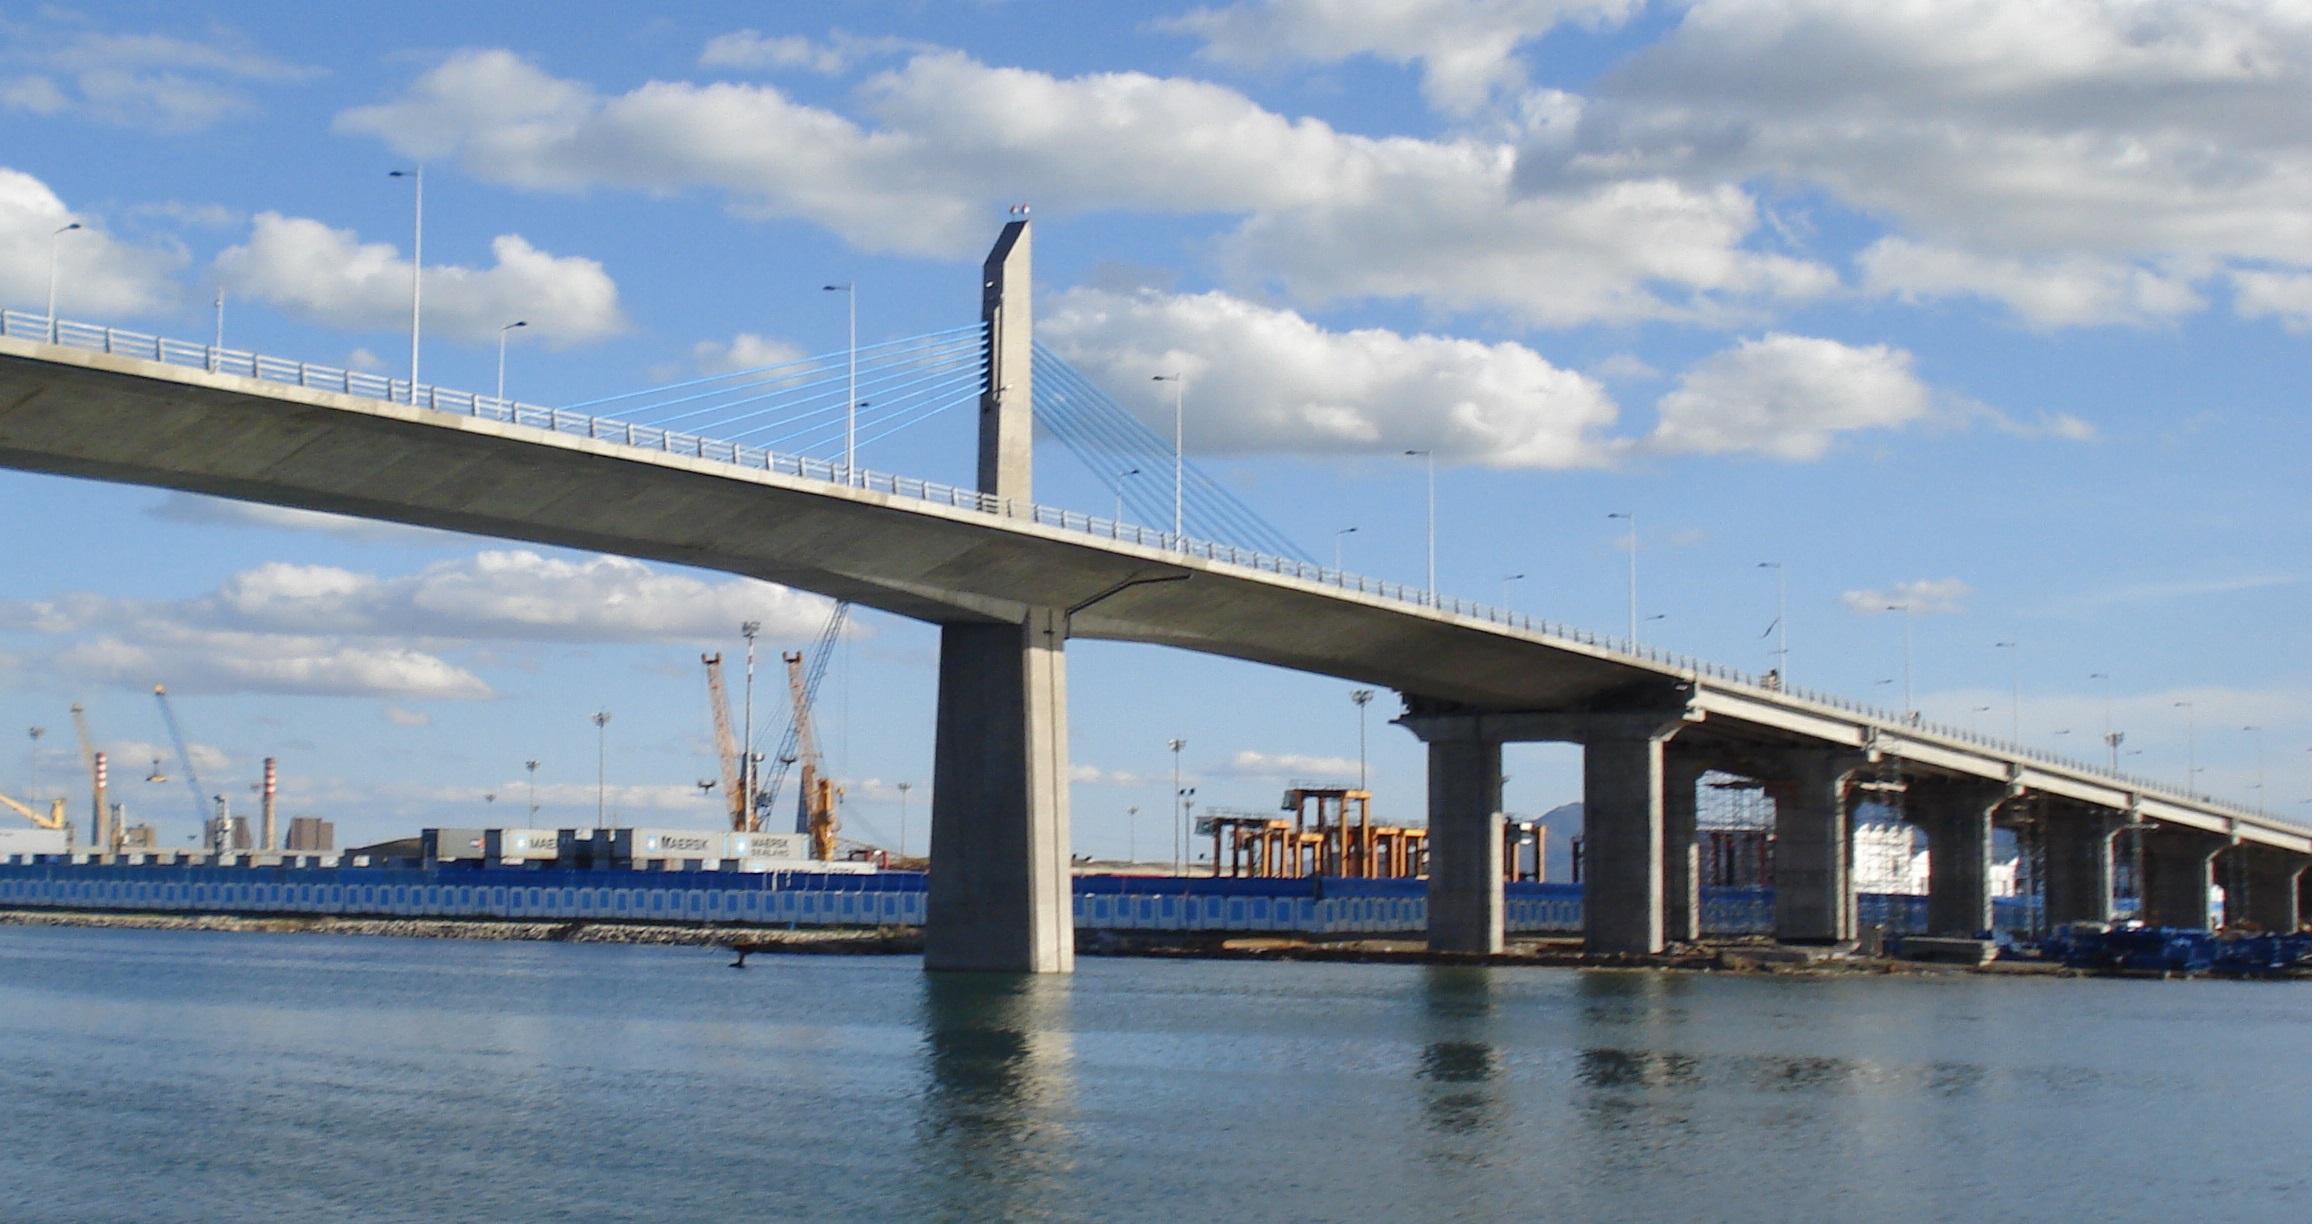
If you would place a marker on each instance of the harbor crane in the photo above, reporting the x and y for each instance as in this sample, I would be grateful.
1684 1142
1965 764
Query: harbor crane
816 666
54 819
817 798
731 769
184 757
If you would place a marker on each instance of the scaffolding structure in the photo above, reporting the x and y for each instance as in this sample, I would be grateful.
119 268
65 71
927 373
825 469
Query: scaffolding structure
1330 833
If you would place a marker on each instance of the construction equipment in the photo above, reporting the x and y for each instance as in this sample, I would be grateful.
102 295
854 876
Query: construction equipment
817 799
729 763
184 757
817 666
55 819
101 837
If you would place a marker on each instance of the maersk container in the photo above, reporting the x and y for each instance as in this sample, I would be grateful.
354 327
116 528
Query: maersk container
520 845
446 845
765 846
665 844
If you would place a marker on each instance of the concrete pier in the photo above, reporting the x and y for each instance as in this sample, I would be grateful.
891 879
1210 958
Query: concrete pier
1465 891
2260 887
2178 866
1956 816
999 875
1812 855
1680 828
2080 863
1624 792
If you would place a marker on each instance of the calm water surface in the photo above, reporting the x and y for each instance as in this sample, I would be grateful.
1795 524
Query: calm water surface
192 1076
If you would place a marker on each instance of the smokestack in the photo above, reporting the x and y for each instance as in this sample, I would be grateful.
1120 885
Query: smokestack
266 806
100 831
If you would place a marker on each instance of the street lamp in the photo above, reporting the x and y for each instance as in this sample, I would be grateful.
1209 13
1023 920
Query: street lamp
904 787
33 760
60 232
532 780
1178 379
1119 490
418 177
600 718
2016 671
2190 746
1431 597
1131 835
749 756
499 389
851 353
1634 543
1176 783
1337 548
1780 621
2110 737
1909 665
1361 700
1505 582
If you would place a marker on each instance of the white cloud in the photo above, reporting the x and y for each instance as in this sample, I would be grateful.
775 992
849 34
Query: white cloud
1467 47
2287 294
125 755
749 49
1285 765
151 82
1261 379
746 351
2111 147
281 628
401 717
1095 775
324 275
98 276
1922 596
1788 397
1328 215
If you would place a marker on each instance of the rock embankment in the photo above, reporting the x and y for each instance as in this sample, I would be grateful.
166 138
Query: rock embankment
855 940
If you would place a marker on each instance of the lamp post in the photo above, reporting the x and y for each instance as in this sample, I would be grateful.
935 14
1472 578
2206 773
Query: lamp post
2190 746
600 718
1634 544
904 787
32 760
851 352
749 816
1184 830
532 781
1909 666
1176 784
418 176
1505 583
499 388
1361 700
218 342
2111 738
1178 379
2015 670
1432 597
1337 547
60 232
1131 835
1780 651
1119 491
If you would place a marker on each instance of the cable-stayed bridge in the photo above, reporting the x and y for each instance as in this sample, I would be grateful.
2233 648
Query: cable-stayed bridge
745 472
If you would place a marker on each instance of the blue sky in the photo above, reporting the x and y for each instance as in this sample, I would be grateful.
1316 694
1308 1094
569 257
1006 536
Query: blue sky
1996 310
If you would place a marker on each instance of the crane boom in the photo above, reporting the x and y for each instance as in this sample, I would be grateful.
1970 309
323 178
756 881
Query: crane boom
817 799
88 743
817 666
55 818
728 757
184 757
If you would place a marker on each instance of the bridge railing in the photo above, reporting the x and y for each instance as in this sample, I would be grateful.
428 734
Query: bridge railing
92 337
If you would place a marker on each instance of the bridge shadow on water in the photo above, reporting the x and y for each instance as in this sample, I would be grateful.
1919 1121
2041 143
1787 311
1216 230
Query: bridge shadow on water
995 1133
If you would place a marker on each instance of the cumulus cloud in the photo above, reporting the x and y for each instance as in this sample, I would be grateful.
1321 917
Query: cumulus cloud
2259 292
1259 379
1923 595
2107 147
283 628
1788 397
1326 215
1466 47
1248 763
1096 775
401 717
98 275
328 276
150 82
746 351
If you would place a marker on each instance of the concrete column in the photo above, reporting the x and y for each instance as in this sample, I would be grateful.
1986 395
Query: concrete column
1624 793
999 875
1465 847
1680 825
1003 455
1812 848
2260 888
2079 864
1955 814
2178 865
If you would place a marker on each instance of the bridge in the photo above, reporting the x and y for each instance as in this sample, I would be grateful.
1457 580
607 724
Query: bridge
1010 582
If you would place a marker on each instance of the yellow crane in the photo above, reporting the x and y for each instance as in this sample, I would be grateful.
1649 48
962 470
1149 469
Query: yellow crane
729 764
817 798
55 819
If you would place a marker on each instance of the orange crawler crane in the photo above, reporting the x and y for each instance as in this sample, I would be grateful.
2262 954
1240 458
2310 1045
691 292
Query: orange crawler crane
1331 835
